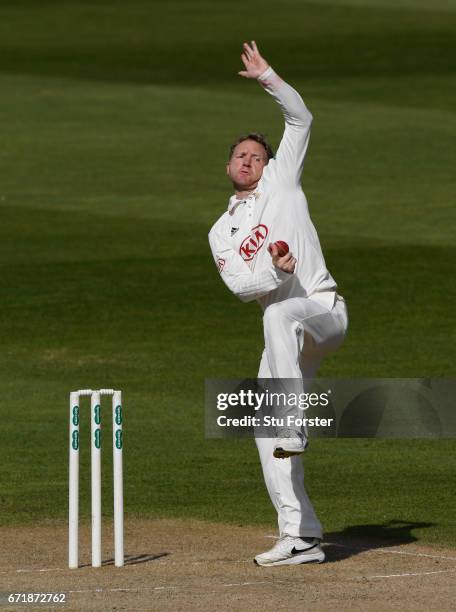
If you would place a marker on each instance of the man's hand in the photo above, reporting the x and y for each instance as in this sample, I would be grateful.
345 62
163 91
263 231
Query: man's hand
286 263
254 64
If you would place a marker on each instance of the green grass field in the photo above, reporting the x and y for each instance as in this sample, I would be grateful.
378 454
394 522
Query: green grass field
115 124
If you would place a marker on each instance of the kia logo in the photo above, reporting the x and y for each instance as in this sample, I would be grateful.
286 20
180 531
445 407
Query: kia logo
253 242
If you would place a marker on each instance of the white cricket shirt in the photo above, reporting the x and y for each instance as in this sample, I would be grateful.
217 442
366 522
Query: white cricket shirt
276 210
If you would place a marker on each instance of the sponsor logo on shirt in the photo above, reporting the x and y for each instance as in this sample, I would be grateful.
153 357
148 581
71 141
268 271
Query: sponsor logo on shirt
253 242
234 230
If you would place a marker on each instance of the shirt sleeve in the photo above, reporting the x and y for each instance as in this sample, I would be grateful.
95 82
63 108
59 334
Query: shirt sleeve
238 277
289 159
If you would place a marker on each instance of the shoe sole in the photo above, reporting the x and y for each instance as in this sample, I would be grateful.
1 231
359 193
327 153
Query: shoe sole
280 453
318 557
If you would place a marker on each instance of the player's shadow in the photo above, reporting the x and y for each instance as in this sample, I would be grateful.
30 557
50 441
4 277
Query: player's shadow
356 539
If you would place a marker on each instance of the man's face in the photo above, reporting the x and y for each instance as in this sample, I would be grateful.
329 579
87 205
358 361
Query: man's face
246 165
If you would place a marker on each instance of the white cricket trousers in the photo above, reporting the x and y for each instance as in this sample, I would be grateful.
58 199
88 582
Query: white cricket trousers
298 333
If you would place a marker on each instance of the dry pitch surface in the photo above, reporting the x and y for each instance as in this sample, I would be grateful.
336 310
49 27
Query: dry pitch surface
193 565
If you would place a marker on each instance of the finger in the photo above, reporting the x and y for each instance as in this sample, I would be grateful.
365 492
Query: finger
243 73
247 60
247 49
290 265
254 46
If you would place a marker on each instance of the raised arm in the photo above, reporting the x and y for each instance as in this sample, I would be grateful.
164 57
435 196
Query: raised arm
289 160
238 277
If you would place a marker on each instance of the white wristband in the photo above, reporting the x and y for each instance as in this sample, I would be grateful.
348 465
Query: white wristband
268 72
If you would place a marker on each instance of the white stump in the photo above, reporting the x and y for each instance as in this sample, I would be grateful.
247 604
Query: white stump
73 556
117 444
96 477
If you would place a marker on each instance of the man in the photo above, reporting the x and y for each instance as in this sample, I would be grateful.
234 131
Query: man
303 316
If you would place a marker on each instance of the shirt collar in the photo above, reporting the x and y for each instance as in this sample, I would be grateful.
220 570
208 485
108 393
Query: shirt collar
234 201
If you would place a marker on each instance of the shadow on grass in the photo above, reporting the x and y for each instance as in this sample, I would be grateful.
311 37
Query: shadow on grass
359 538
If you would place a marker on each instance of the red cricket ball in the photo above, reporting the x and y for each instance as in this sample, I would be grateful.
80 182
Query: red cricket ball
282 247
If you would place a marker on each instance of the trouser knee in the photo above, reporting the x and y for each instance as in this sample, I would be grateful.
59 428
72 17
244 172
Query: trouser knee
275 319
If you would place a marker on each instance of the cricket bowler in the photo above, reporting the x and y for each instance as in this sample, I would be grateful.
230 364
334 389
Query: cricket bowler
303 316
